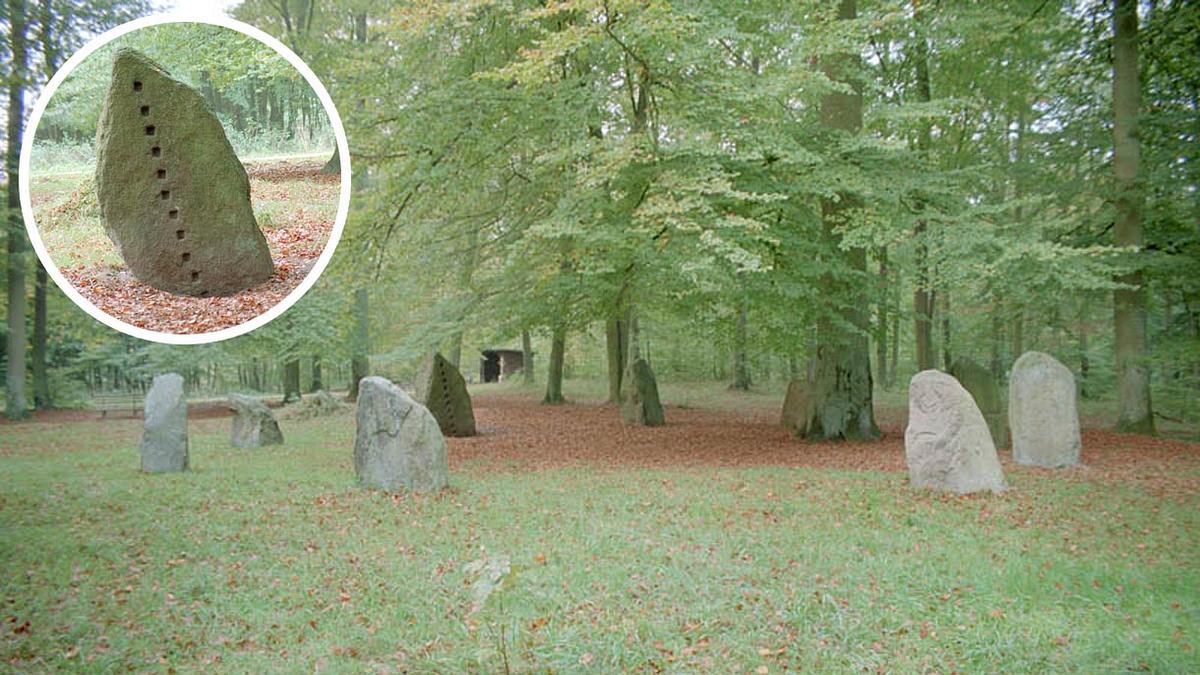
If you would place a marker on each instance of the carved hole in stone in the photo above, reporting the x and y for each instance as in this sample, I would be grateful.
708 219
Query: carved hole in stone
149 129
145 111
186 257
137 86
174 213
195 275
162 173
156 151
165 194
179 234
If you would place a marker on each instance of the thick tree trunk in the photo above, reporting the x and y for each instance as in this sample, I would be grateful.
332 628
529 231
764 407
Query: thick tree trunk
291 380
1129 305
15 402
741 366
359 364
617 344
842 396
526 357
554 375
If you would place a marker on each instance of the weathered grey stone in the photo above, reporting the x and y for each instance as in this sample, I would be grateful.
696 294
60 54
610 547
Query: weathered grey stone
1042 412
174 197
947 443
641 405
398 444
983 388
797 408
254 424
442 389
165 440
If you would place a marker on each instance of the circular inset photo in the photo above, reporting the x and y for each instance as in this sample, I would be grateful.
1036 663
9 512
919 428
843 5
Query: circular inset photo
185 181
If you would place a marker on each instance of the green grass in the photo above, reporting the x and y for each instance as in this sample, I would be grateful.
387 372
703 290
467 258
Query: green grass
269 560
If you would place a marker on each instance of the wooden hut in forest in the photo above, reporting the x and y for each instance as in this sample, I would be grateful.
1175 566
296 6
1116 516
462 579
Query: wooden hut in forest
498 364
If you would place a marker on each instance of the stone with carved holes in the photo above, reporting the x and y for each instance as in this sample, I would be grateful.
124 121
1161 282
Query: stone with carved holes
174 197
254 424
442 389
947 443
165 440
1042 412
397 445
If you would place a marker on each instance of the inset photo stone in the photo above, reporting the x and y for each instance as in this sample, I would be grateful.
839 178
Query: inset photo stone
185 180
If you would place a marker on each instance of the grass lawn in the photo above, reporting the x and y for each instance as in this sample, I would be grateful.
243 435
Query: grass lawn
272 559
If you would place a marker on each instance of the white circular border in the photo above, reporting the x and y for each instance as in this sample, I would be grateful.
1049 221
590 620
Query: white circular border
184 338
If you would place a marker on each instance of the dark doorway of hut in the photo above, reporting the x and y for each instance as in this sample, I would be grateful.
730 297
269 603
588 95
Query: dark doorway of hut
499 364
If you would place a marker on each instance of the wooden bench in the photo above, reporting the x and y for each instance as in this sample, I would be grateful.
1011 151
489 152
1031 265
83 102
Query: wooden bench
115 402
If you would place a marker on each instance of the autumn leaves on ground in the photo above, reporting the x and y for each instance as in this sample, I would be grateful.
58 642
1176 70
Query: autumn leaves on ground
295 206
716 544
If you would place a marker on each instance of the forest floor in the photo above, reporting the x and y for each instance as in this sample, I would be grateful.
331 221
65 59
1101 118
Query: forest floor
715 543
295 206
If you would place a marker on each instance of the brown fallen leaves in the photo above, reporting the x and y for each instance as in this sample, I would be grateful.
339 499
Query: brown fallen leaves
296 239
519 434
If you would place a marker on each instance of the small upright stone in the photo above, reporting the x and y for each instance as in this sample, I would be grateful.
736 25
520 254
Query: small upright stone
641 405
442 389
947 443
174 197
797 408
979 382
1042 412
398 444
165 441
254 424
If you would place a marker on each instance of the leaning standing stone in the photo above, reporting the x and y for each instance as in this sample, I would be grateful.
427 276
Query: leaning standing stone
983 388
641 405
1042 412
398 444
947 443
164 441
254 424
442 389
797 408
174 196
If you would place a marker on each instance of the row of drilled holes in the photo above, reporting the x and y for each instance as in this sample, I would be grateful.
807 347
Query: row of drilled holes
164 195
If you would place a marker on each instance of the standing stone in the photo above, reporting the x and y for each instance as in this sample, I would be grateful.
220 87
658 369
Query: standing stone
947 443
797 408
254 424
641 405
979 381
1042 413
174 197
442 389
398 444
164 441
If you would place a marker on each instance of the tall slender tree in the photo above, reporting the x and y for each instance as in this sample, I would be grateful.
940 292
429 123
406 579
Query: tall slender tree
1129 304
16 405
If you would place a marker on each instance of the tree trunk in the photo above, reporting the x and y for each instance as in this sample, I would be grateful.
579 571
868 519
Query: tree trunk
554 376
617 344
947 355
923 295
526 357
41 377
1129 305
15 403
881 320
359 364
291 380
741 367
842 396
317 384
